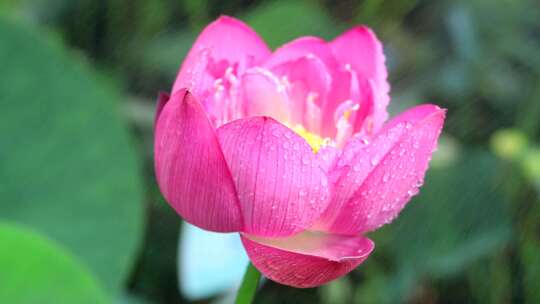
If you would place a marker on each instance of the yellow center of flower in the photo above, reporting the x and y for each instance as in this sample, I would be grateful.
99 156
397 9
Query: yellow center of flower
314 140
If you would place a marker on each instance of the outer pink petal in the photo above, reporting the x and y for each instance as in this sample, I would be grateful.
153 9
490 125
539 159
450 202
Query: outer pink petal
282 189
264 95
373 181
307 259
226 39
360 48
190 168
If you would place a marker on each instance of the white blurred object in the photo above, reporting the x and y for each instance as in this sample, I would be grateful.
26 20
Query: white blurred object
209 263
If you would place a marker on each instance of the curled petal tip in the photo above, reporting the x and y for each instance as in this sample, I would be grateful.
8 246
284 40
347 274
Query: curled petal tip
228 19
435 108
362 29
162 99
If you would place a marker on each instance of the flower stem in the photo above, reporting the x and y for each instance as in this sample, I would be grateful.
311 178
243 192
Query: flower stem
247 290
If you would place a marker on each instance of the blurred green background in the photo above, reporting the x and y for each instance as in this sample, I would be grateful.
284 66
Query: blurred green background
82 220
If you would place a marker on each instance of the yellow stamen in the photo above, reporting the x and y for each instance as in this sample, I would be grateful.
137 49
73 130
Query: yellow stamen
347 114
314 140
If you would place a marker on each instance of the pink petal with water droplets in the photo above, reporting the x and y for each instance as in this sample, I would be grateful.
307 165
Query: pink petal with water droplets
190 168
307 259
374 180
281 188
328 157
264 95
360 48
225 40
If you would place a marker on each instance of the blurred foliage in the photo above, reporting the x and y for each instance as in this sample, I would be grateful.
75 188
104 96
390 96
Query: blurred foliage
78 77
457 229
36 270
308 20
68 165
508 143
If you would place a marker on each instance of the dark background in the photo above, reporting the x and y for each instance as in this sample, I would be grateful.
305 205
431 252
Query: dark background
82 220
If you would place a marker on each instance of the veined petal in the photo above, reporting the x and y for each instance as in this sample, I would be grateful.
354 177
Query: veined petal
282 189
374 180
360 48
225 40
190 168
307 259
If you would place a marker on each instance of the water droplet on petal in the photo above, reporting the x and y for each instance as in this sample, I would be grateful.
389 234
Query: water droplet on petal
412 192
408 125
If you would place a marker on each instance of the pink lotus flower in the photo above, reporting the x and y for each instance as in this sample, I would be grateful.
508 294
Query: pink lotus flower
290 148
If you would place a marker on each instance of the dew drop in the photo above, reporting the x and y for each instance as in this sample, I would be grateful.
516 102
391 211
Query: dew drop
272 265
412 192
299 276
